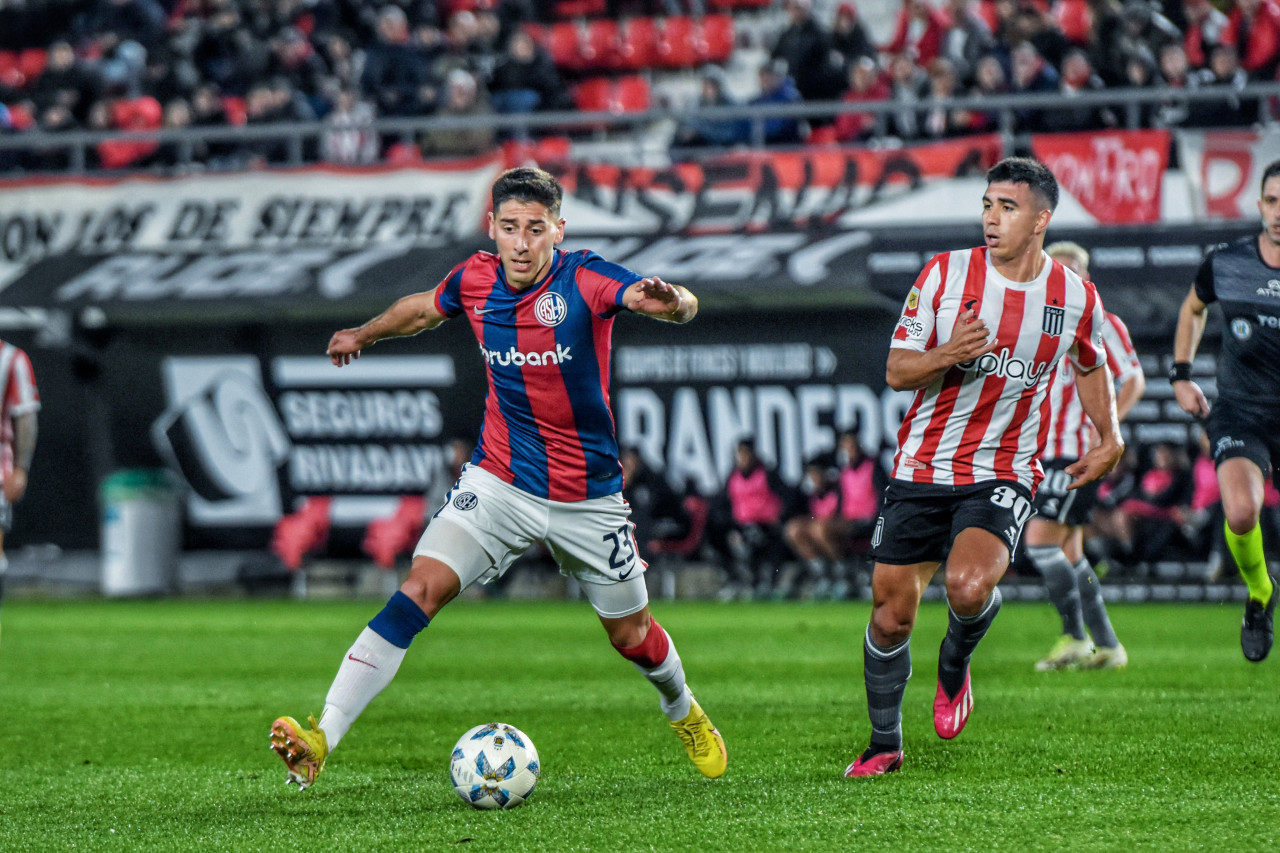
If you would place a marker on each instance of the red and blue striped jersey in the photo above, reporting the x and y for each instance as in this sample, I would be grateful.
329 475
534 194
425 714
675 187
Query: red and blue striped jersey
548 429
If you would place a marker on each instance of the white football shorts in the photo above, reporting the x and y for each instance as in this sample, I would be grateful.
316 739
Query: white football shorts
592 541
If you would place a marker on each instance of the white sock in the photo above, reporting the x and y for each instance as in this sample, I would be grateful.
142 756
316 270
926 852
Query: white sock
369 666
668 678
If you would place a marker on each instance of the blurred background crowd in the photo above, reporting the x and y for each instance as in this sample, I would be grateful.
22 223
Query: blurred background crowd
1158 512
150 64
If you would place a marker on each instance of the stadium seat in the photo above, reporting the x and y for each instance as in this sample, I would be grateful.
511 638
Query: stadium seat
630 94
593 95
302 532
602 47
1075 19
552 149
404 154
387 538
10 76
716 39
235 109
564 43
678 43
639 44
669 553
579 8
21 117
32 61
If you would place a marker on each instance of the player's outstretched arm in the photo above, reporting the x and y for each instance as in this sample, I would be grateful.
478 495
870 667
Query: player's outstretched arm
408 315
655 298
1097 396
1186 340
910 369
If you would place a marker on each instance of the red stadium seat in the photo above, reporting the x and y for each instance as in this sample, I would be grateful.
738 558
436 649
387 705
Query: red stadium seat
387 538
404 154
235 109
552 149
21 117
678 43
631 94
716 39
579 8
300 533
593 95
1075 19
602 48
32 61
639 45
564 43
9 74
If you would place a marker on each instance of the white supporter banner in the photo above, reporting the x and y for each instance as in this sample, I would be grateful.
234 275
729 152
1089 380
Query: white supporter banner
1224 169
258 214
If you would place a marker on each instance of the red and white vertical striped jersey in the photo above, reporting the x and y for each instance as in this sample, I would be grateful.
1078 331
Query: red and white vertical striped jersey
1068 424
18 396
987 419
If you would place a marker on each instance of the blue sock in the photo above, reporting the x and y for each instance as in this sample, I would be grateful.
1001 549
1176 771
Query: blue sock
400 621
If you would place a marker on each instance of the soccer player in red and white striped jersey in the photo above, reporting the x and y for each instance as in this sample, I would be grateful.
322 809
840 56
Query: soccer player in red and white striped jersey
1055 536
979 338
19 402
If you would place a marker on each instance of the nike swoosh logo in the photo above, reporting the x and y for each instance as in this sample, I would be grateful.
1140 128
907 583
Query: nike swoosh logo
626 574
480 312
357 660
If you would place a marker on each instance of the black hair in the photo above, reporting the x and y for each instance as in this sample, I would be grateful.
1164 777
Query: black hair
1272 170
1033 173
528 184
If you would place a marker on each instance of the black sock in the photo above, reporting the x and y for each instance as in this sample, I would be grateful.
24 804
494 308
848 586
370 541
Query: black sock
885 672
963 635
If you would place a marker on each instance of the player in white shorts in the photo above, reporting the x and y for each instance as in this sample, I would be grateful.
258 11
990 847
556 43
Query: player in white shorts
546 468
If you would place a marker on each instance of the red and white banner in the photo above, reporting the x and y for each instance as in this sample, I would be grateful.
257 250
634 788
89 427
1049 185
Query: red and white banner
1225 169
1116 176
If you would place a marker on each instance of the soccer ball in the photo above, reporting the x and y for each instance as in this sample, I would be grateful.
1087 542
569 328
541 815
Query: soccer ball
494 766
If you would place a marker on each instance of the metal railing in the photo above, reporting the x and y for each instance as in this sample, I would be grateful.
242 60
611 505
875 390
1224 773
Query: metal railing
1259 103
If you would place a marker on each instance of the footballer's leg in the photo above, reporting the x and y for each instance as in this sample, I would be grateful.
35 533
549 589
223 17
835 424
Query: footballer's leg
1242 499
886 656
977 562
639 638
372 661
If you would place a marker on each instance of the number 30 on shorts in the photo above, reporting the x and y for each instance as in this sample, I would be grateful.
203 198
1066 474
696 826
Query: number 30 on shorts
1007 498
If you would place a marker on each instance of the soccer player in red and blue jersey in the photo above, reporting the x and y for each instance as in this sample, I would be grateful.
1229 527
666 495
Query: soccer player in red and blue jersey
545 469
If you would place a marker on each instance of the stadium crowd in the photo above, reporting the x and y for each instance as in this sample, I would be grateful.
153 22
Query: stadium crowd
148 64
1159 511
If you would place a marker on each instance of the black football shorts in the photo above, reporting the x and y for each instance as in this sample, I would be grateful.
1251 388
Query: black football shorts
920 521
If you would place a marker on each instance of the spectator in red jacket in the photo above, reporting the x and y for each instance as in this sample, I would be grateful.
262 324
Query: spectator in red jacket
866 85
1254 28
1205 28
922 29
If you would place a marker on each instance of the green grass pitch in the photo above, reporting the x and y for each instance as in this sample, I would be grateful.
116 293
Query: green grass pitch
143 726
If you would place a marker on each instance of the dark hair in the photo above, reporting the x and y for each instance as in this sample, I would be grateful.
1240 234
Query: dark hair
528 184
1033 173
1272 170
